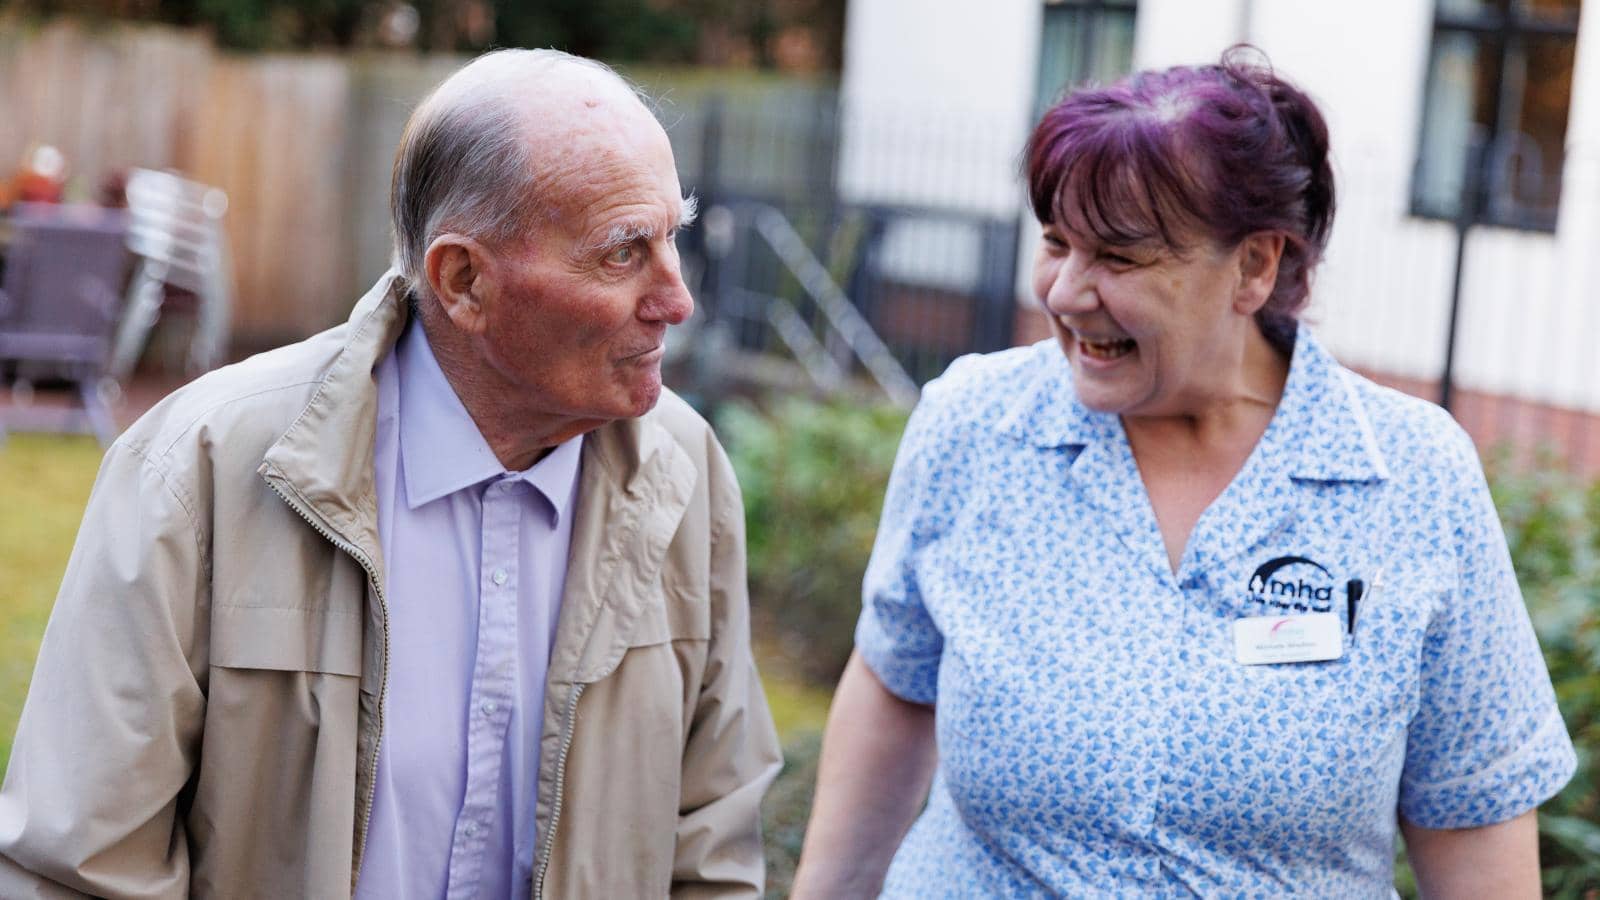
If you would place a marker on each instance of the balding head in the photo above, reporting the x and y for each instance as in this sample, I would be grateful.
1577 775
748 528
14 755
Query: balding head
489 148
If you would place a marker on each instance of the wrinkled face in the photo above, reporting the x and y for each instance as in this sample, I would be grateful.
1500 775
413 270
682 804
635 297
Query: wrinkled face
582 304
1147 330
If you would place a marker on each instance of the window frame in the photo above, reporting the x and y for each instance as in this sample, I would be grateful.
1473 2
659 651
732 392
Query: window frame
1510 29
1095 13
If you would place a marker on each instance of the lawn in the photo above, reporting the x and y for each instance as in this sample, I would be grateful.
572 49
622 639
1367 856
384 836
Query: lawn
44 484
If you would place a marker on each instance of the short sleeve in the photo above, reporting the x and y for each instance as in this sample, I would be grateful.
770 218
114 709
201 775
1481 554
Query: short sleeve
895 635
1487 743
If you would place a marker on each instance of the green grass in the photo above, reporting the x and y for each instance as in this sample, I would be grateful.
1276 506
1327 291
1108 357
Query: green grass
44 484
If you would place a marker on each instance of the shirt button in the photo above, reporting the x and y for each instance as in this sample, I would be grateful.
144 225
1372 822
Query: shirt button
488 707
499 576
471 829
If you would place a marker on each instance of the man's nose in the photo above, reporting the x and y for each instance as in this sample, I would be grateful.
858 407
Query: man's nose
670 300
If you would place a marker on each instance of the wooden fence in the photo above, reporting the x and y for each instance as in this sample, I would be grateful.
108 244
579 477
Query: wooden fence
301 143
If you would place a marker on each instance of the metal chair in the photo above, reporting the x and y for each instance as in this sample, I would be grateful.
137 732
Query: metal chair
175 230
59 299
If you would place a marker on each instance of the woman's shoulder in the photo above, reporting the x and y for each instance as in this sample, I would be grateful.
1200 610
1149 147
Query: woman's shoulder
958 417
981 387
1410 431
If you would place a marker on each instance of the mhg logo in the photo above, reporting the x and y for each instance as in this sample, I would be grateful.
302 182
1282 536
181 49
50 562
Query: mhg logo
1292 582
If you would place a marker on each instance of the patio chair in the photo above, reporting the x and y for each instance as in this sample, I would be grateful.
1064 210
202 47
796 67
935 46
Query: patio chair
175 231
59 299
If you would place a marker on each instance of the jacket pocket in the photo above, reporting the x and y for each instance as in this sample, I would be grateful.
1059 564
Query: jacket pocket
286 639
669 613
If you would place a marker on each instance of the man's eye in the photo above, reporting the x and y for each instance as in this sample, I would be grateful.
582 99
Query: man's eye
1117 259
620 256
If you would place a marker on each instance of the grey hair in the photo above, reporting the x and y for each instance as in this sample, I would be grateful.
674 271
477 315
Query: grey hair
465 163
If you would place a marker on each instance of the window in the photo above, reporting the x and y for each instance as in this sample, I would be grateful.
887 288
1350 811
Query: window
1494 121
1082 41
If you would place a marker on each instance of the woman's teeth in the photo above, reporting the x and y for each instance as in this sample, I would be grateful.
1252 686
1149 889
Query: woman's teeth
1106 349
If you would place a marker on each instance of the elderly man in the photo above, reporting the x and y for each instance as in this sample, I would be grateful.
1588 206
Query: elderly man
447 601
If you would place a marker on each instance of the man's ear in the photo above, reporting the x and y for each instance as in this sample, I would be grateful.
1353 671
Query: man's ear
1259 254
457 271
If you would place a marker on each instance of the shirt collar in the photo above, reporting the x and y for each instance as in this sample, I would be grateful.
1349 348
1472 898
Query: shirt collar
442 450
1334 439
556 476
1329 436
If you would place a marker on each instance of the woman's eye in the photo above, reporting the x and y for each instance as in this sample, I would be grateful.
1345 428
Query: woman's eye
620 256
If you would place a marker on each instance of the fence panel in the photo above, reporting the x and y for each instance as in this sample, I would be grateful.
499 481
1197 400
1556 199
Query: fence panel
108 100
273 135
301 143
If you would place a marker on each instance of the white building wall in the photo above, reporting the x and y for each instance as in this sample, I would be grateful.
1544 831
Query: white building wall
1382 295
1185 32
937 96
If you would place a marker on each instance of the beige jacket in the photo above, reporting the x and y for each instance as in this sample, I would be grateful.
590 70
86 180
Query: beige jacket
205 714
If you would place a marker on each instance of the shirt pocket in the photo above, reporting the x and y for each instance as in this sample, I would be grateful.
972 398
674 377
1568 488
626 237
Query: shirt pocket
286 639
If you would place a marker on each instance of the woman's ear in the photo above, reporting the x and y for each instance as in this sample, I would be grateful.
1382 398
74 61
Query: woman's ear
1259 254
457 271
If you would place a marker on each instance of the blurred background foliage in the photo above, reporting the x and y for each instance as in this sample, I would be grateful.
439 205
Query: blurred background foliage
797 35
813 476
1552 524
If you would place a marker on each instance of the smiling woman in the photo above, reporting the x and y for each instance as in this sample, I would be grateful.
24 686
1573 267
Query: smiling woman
1112 608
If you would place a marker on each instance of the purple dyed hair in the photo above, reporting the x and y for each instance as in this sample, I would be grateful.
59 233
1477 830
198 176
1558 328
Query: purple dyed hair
1220 151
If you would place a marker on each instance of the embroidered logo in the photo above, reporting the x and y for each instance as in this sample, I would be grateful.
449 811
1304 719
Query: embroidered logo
1292 582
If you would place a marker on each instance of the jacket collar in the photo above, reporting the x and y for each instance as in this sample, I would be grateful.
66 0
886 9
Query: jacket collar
636 486
1319 401
324 459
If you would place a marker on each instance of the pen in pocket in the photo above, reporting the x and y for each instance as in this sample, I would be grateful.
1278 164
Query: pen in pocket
1356 591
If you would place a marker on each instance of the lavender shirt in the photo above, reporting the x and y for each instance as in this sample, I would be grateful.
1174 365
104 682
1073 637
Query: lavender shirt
475 560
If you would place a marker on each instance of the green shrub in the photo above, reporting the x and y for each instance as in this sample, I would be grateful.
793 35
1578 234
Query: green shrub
1552 522
813 476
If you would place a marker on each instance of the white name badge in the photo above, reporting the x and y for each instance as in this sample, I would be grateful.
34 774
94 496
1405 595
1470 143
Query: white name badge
1263 640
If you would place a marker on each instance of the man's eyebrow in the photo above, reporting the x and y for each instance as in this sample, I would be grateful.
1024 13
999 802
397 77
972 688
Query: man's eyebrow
625 233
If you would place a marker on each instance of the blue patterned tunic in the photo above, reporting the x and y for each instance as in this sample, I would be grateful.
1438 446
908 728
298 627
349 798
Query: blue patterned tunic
1096 735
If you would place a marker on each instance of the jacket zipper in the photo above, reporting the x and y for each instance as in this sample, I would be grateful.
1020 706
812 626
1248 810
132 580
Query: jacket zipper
549 838
383 685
